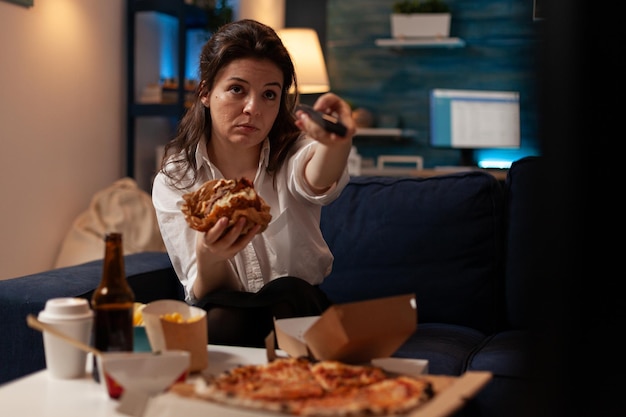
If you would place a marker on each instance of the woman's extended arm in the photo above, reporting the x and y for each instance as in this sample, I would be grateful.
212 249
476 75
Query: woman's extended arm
330 156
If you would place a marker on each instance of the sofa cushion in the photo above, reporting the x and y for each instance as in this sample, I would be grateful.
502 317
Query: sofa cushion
151 276
504 353
506 356
447 347
438 238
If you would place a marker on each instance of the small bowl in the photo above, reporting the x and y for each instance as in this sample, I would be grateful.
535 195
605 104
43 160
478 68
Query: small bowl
147 372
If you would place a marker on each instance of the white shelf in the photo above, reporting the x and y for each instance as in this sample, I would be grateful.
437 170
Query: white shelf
384 132
421 42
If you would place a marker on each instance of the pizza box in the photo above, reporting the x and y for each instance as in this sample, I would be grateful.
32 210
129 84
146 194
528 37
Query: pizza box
355 332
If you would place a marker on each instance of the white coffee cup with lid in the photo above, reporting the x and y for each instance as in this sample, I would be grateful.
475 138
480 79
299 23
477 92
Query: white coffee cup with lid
72 316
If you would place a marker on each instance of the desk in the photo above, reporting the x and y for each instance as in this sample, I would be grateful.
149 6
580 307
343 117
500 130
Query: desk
40 395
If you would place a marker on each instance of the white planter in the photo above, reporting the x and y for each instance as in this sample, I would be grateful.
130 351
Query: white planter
420 25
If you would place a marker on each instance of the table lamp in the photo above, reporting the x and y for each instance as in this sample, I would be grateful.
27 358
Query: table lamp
306 53
269 12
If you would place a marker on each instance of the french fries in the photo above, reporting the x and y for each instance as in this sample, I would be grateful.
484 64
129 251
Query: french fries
138 314
176 317
173 317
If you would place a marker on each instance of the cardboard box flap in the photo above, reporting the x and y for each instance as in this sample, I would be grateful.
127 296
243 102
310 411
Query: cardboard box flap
352 332
290 335
359 331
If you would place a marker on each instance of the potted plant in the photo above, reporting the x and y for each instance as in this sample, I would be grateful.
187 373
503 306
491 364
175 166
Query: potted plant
420 19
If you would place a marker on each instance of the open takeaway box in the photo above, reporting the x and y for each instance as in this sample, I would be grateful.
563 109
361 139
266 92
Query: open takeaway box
364 332
352 332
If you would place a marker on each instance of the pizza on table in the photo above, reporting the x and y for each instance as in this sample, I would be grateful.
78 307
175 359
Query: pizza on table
303 387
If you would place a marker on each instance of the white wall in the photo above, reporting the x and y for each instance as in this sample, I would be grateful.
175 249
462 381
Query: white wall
61 121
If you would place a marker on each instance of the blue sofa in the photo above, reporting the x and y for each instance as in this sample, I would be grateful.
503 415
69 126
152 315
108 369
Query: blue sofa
465 244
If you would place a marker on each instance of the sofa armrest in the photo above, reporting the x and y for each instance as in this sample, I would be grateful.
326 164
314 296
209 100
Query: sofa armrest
149 274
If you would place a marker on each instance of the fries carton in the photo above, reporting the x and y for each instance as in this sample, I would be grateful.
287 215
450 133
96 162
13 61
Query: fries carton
175 325
354 332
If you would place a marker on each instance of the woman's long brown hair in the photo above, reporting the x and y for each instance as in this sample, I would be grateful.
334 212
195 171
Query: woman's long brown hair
236 40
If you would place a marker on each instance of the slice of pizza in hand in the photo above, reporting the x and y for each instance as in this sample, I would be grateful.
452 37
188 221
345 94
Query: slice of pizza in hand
232 199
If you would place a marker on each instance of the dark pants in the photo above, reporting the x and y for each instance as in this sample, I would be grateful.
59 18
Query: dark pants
240 318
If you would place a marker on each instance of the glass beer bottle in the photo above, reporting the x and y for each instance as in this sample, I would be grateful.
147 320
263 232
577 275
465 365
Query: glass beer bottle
112 303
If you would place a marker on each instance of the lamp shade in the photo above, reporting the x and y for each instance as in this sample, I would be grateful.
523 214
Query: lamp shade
306 53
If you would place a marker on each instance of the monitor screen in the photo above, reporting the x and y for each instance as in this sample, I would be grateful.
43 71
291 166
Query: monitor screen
474 119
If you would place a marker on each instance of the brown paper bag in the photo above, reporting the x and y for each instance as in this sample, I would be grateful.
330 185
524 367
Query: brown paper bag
190 335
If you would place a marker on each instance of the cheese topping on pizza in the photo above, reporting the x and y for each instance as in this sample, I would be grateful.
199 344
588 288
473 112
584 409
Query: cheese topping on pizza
287 379
333 375
301 387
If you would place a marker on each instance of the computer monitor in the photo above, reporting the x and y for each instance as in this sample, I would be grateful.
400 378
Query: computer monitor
474 119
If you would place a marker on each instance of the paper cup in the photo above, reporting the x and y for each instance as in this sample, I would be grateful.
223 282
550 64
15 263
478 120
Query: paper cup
191 334
74 317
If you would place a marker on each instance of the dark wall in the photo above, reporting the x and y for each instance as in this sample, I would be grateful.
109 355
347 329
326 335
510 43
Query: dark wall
309 14
500 54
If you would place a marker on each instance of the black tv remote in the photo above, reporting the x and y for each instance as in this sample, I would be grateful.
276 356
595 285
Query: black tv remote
329 123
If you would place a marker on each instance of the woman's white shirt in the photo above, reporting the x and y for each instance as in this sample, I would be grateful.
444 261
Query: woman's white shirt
292 244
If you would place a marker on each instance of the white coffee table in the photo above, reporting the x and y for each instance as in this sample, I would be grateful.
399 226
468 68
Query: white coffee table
40 395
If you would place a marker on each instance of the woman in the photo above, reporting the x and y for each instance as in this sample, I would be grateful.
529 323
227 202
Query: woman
242 124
